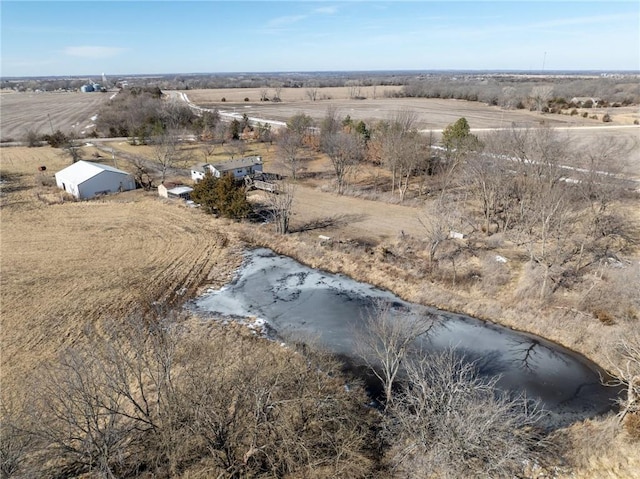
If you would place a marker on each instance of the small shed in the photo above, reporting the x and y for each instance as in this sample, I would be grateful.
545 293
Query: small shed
85 179
173 190
239 168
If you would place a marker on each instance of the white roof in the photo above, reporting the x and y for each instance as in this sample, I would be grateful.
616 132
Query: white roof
82 170
180 190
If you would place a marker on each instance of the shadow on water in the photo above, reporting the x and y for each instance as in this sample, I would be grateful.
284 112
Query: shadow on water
300 302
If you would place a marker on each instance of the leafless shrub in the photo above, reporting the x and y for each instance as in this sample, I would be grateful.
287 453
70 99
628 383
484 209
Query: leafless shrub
612 290
626 367
45 180
449 423
495 274
146 396
591 439
32 138
632 426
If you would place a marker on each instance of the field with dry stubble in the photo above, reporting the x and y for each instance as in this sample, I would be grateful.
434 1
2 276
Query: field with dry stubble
70 112
69 264
431 113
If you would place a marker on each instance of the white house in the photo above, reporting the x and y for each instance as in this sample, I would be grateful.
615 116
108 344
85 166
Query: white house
85 179
239 168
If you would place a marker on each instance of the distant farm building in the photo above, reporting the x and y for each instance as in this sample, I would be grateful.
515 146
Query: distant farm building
85 179
240 168
173 190
91 87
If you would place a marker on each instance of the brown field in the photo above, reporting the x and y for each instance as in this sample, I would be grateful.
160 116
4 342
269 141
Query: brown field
68 112
431 113
66 265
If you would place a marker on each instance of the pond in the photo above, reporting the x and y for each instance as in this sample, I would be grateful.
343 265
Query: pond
299 302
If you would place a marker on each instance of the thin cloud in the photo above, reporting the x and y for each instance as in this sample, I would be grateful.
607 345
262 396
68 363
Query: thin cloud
326 10
276 24
284 21
87 51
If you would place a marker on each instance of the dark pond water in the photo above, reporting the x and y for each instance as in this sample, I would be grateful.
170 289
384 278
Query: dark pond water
300 302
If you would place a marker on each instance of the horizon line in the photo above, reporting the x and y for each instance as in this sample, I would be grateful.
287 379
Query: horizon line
291 72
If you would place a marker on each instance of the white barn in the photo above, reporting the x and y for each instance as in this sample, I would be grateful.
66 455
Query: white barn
239 168
85 179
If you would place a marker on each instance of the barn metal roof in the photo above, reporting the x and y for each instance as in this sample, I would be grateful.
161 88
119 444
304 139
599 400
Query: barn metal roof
82 171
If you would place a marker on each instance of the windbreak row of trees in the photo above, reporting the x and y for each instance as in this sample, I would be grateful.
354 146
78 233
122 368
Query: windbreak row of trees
508 93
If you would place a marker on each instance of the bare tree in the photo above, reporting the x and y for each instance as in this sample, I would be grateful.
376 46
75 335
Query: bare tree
142 173
355 89
236 148
509 97
439 221
207 149
112 401
85 424
447 422
599 183
387 339
345 150
277 88
541 94
290 144
165 152
258 412
73 148
264 94
312 92
280 204
400 146
546 219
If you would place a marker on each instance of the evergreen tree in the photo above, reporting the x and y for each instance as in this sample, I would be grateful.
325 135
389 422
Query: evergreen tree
221 196
457 137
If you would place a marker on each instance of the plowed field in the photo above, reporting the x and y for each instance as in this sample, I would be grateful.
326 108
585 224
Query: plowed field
42 112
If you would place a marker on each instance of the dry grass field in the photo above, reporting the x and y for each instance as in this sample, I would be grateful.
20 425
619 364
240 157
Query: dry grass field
68 112
69 264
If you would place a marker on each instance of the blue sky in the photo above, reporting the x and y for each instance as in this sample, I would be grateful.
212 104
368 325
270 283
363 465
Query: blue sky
127 37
